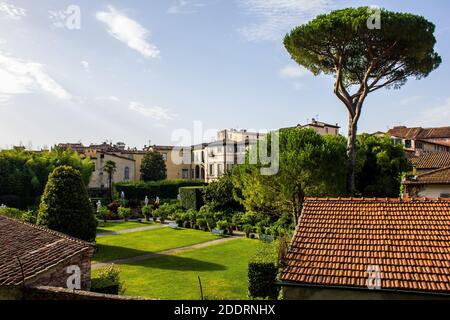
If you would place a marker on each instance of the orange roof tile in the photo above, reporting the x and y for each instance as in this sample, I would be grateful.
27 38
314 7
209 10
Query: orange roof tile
439 176
432 160
336 241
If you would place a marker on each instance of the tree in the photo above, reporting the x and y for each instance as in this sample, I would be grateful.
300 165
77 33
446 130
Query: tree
110 167
379 166
153 167
219 195
309 165
65 205
364 60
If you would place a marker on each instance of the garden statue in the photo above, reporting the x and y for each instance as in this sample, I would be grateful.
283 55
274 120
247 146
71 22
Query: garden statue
99 206
157 200
146 201
122 198
2 206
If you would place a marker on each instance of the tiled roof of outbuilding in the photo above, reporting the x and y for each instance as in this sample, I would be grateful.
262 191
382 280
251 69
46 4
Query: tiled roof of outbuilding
432 160
336 241
37 248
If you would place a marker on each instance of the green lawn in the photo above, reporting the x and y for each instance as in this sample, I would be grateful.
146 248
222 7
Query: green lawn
134 244
116 226
222 269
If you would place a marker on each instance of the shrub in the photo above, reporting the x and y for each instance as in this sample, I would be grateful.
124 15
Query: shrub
114 206
124 213
65 205
11 212
191 198
202 224
222 225
206 213
191 216
108 281
219 194
248 229
164 211
166 189
262 272
147 212
103 214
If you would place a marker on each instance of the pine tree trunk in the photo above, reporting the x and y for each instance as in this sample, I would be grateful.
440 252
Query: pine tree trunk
351 155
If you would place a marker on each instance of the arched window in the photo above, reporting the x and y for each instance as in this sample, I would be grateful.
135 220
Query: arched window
126 173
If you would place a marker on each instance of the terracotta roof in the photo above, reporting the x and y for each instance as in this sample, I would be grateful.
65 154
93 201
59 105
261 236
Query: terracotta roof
432 160
37 248
420 133
439 176
337 240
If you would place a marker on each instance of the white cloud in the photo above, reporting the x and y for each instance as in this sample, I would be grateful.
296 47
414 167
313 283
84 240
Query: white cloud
154 112
85 65
185 6
11 11
128 31
276 17
20 77
411 100
292 71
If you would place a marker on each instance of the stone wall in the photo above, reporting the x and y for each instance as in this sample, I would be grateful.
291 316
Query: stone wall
316 293
57 275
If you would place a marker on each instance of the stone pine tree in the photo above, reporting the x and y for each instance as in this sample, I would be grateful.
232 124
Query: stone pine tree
65 205
153 167
365 50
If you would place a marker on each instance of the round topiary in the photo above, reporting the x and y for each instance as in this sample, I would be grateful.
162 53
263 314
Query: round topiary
65 205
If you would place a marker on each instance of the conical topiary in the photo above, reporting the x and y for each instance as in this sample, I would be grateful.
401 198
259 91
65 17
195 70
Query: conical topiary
65 205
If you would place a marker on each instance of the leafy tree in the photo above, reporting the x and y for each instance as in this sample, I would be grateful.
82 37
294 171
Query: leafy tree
153 167
309 165
379 166
364 60
65 205
24 174
219 194
110 167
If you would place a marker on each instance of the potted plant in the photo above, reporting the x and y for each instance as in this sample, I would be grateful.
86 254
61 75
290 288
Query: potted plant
147 212
124 213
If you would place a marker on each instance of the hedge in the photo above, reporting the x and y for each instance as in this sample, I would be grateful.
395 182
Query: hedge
165 189
191 197
263 271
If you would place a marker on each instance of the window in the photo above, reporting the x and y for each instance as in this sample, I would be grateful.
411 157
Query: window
164 156
211 169
126 174
219 169
419 145
185 173
326 130
408 144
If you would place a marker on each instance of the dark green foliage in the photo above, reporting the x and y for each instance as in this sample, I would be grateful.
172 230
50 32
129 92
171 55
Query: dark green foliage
27 216
219 195
153 167
263 271
191 197
65 205
379 166
110 167
166 189
362 59
108 281
24 174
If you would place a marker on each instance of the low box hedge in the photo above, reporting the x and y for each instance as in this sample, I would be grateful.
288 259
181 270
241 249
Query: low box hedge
191 197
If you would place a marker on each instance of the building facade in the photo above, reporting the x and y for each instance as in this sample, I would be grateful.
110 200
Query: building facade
422 140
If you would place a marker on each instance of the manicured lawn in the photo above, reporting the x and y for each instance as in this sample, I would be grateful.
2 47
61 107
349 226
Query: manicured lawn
116 226
222 269
134 244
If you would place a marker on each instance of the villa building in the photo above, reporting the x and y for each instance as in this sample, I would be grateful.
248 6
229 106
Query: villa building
422 140
321 127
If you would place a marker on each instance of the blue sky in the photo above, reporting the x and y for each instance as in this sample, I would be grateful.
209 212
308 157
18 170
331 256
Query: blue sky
143 70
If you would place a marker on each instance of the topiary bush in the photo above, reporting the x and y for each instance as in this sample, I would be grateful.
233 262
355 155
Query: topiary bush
191 198
147 212
65 205
263 271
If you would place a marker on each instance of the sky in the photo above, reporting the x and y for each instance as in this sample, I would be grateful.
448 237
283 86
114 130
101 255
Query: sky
154 71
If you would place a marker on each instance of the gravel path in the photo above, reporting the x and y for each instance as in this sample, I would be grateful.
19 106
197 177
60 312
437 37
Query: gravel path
98 265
